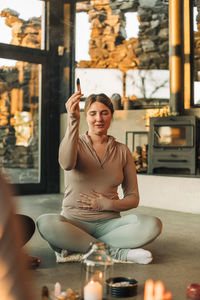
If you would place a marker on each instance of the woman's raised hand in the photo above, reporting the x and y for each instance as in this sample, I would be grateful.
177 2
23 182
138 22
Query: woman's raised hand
72 104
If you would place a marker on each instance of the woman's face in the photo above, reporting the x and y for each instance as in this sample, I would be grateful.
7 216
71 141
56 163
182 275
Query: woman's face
98 118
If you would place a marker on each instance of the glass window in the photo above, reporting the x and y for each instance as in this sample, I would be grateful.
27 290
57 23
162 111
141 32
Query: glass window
21 23
126 39
82 36
173 136
196 57
20 121
132 24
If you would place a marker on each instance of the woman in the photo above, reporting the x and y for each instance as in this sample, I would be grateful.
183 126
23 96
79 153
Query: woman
95 165
14 279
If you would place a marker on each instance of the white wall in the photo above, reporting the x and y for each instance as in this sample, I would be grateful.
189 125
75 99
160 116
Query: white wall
99 81
172 193
165 192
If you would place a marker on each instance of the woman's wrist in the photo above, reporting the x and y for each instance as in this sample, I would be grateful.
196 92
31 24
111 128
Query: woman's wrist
73 115
106 205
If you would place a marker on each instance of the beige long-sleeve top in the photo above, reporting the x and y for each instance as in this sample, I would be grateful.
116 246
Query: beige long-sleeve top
84 172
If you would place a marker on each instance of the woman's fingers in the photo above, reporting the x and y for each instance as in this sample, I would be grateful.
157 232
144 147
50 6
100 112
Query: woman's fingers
74 105
87 202
86 196
84 204
77 95
84 201
94 192
73 101
97 194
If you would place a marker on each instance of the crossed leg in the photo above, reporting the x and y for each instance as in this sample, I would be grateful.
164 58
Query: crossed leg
121 234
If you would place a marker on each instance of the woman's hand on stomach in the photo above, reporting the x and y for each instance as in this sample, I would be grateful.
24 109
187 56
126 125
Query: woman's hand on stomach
95 202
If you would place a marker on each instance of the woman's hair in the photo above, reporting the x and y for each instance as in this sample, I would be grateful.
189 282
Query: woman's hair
102 98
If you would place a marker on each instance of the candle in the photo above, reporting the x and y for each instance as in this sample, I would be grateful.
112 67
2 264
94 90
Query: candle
57 289
156 291
93 291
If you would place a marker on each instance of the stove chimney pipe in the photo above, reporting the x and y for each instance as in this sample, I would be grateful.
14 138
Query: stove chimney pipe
176 50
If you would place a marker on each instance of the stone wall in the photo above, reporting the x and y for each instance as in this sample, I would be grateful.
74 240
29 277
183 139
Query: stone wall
24 33
108 47
153 46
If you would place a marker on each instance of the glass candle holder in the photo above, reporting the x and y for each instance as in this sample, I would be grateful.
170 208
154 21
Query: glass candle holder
97 267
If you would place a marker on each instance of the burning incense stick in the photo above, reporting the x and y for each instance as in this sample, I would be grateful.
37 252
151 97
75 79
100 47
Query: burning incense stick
78 85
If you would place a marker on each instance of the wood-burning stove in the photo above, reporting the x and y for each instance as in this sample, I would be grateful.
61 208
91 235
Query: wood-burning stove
173 145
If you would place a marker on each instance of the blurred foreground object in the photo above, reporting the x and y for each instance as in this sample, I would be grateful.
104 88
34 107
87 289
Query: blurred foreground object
45 293
193 291
156 291
14 279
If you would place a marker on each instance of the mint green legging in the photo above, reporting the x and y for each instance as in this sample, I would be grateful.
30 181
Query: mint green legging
120 234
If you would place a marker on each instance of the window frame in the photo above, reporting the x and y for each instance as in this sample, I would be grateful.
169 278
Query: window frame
50 62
